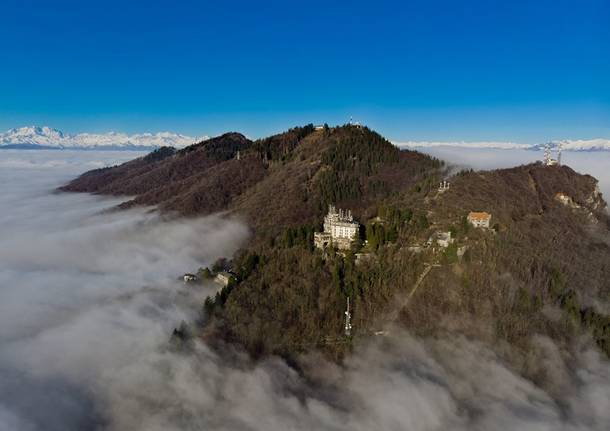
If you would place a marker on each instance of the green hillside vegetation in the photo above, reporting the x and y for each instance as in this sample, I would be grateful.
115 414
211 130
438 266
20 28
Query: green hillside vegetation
505 288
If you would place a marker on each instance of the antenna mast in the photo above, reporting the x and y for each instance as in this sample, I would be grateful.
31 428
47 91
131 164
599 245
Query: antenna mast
348 320
547 154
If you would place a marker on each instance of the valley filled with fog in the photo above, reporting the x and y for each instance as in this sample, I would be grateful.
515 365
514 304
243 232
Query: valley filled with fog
89 299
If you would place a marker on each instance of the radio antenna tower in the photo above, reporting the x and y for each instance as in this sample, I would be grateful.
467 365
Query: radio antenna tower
348 320
547 154
559 148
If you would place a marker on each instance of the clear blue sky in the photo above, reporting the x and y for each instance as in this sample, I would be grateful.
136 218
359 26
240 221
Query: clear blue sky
516 70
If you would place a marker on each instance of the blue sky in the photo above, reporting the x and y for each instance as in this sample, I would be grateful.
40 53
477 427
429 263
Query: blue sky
524 71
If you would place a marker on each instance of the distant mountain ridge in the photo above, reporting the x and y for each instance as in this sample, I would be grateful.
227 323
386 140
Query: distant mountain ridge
598 144
34 137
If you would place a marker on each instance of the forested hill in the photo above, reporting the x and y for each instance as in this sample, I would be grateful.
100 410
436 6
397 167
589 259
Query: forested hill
540 270
277 182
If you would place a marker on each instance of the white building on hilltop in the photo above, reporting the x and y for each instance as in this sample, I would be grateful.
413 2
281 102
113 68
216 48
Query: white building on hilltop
340 230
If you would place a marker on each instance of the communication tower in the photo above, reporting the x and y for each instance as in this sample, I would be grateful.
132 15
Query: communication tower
348 320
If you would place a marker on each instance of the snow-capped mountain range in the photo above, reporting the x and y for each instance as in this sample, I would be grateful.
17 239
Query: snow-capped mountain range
48 138
567 145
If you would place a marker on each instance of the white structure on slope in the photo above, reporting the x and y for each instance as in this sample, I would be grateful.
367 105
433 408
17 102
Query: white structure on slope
340 230
223 278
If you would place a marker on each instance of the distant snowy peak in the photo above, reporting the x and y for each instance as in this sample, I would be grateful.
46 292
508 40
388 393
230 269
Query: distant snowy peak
567 145
46 137
463 144
582 144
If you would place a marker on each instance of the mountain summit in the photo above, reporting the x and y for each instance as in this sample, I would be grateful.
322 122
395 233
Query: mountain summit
281 181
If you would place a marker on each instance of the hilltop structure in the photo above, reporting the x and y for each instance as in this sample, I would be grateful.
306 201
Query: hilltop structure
340 230
548 159
479 219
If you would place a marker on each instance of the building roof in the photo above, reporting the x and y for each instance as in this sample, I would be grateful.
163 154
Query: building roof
480 216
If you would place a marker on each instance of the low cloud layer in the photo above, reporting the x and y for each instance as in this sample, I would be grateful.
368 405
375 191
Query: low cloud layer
566 144
592 163
88 300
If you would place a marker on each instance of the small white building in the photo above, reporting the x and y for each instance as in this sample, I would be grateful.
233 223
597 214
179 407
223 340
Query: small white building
223 278
479 219
563 198
443 186
189 278
319 127
340 230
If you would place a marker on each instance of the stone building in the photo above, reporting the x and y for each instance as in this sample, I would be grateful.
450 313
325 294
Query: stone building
340 230
479 219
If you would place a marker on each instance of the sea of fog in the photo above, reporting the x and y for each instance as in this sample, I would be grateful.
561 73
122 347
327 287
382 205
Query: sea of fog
596 164
88 300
